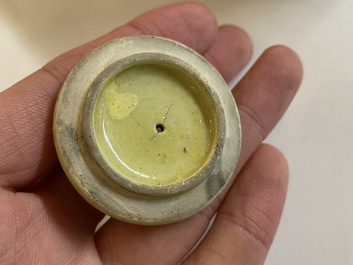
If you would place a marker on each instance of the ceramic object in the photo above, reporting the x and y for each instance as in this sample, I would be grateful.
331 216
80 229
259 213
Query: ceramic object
146 130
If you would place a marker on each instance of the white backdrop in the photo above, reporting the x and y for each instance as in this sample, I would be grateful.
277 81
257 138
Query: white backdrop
316 133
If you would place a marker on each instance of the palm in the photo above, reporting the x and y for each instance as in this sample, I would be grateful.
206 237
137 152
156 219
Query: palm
44 221
40 229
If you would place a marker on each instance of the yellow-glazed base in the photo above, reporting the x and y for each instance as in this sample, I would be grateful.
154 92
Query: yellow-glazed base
154 124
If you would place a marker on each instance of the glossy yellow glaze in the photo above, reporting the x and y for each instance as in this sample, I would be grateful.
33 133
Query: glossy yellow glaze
155 124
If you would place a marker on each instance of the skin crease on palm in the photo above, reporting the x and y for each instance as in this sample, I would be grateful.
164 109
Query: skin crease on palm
45 221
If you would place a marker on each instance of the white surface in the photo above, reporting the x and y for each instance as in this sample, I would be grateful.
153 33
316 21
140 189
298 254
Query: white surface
316 133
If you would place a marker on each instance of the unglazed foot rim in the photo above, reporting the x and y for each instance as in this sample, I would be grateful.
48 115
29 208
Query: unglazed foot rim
101 185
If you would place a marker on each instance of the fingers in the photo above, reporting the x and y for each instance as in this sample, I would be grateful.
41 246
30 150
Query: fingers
249 216
230 52
262 97
274 78
264 94
27 150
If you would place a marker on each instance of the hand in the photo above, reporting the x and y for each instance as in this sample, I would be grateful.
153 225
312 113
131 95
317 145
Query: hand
45 221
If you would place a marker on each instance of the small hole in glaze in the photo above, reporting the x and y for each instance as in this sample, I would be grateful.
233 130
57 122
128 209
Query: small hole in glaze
159 128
